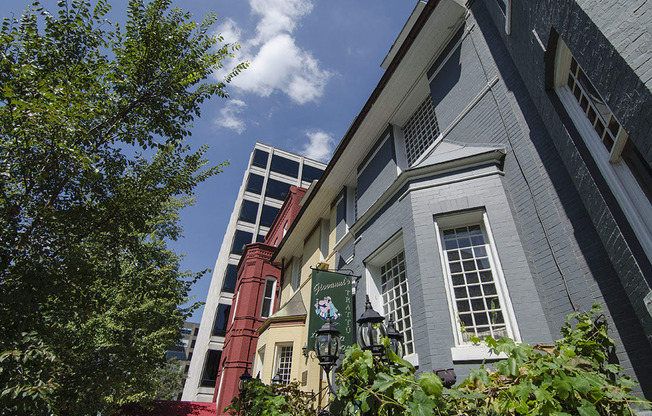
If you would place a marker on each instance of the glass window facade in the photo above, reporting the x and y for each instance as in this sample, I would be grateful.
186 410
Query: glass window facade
248 211
285 166
268 215
255 183
241 239
277 189
310 173
211 365
260 158
221 320
230 278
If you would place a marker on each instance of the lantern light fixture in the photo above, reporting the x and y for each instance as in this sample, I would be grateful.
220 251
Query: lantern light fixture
371 330
395 339
244 379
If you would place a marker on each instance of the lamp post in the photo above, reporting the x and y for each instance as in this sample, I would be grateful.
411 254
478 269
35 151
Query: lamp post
327 347
371 330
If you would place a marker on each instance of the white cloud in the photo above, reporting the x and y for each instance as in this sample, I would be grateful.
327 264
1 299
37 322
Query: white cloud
319 146
230 116
276 63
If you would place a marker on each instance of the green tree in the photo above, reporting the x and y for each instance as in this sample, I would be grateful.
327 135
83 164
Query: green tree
93 171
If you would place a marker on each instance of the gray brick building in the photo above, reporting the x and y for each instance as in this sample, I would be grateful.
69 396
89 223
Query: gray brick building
499 178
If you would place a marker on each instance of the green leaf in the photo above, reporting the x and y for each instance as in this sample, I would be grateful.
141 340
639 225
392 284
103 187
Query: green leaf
431 384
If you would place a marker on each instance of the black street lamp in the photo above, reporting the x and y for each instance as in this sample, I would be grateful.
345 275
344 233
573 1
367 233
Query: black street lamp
371 330
395 339
244 379
327 347
277 378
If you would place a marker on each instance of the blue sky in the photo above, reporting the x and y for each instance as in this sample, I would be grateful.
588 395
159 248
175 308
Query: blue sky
313 64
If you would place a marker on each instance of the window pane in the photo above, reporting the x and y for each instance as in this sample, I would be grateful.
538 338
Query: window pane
221 319
240 240
260 238
268 215
420 131
475 295
285 166
396 300
277 189
230 278
211 366
260 158
284 367
248 211
310 173
255 183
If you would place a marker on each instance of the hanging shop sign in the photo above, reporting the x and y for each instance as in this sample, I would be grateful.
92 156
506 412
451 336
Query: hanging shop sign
332 296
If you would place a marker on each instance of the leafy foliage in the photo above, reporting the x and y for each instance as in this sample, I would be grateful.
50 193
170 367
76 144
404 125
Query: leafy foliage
259 399
93 171
572 377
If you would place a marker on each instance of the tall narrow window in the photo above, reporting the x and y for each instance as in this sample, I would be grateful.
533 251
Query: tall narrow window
622 165
396 301
209 374
476 289
284 362
268 297
420 131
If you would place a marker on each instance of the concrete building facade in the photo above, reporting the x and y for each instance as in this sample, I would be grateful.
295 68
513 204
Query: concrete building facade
265 185
497 179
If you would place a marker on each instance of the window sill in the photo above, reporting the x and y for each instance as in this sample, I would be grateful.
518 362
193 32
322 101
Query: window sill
475 353
412 359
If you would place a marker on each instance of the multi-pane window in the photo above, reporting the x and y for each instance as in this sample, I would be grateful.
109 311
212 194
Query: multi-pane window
396 301
602 120
420 131
476 301
621 163
268 297
284 360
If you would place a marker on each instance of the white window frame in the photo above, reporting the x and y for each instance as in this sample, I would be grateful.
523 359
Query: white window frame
277 360
384 254
268 281
621 181
464 351
260 362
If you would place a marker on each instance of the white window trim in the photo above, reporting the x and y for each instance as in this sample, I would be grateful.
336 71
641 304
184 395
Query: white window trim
463 351
277 358
271 303
621 181
260 362
373 263
235 306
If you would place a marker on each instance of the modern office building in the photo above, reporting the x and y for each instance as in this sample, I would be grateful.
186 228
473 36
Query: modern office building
265 185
